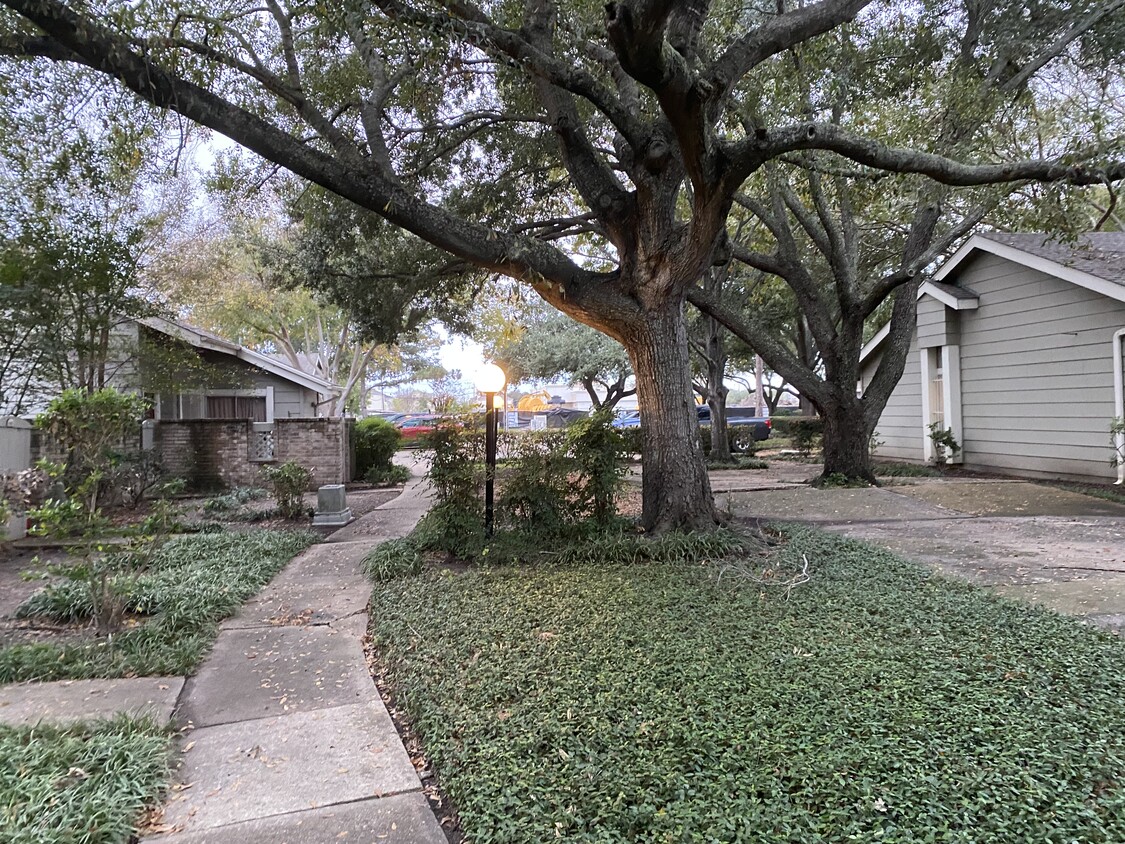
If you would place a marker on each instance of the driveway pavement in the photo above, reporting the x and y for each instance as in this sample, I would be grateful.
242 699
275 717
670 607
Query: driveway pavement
1028 540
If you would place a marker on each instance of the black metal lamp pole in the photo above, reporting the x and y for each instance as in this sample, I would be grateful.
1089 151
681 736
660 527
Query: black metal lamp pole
489 460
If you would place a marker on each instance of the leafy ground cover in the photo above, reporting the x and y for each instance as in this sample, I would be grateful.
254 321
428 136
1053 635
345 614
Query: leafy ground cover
87 783
753 463
188 586
663 702
906 470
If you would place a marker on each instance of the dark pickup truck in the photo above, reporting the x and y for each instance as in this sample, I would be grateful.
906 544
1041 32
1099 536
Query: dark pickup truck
738 417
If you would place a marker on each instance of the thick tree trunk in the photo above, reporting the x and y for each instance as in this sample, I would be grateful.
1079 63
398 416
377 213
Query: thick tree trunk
847 439
720 435
676 489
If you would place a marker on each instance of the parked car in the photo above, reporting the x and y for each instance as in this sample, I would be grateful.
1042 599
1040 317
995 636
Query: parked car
628 419
738 417
413 427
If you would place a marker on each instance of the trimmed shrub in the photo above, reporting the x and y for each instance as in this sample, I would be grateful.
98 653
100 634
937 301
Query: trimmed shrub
392 475
805 431
376 441
630 440
289 481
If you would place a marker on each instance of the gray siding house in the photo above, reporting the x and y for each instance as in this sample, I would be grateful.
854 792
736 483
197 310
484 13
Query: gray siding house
246 384
1018 351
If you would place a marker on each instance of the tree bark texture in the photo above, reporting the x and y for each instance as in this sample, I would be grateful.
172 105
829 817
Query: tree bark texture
847 440
676 489
716 361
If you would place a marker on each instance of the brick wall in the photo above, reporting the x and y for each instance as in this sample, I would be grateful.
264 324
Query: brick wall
216 453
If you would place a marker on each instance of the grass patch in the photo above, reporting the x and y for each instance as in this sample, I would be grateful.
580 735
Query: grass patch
393 475
392 559
656 702
739 463
190 584
905 470
87 783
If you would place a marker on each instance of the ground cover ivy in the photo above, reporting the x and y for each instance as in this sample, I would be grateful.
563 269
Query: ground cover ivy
658 702
187 586
86 783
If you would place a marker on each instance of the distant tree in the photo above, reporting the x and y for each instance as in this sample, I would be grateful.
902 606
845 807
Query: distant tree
251 282
558 349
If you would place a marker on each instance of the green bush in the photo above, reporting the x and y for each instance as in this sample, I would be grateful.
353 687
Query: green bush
455 524
392 559
536 487
392 475
550 485
376 441
804 431
632 441
96 430
290 481
598 452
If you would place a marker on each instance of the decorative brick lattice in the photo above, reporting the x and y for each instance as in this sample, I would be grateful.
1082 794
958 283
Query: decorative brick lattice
263 443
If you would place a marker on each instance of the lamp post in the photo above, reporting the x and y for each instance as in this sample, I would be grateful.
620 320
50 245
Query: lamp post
490 381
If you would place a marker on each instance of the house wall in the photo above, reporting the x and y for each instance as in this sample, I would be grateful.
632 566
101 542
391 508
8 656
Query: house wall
933 326
1036 376
1037 373
212 454
937 324
291 401
900 427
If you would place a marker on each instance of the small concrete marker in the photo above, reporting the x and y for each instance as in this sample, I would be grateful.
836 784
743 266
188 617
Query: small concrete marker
332 507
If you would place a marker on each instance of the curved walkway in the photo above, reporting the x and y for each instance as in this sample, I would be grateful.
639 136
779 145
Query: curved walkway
286 738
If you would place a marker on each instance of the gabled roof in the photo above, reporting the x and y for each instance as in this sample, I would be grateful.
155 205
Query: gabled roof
950 295
1095 261
200 339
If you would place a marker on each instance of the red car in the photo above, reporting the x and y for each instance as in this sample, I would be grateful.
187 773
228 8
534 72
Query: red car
416 426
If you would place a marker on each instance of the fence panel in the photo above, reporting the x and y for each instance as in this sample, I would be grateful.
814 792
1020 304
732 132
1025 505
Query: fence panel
15 444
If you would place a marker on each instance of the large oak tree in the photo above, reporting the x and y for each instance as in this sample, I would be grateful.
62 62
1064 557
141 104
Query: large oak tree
853 243
499 132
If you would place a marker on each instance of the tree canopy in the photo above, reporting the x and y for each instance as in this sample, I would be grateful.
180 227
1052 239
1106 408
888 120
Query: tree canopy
522 138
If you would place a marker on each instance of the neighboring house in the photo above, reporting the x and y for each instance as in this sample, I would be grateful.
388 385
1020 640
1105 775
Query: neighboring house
1017 351
245 384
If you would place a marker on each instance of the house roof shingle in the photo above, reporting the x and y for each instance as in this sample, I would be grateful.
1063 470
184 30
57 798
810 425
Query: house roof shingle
1100 254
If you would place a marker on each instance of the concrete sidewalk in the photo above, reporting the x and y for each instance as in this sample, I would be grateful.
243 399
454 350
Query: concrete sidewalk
286 738
1026 540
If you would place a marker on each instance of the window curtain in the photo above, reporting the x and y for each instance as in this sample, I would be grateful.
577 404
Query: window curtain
237 407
